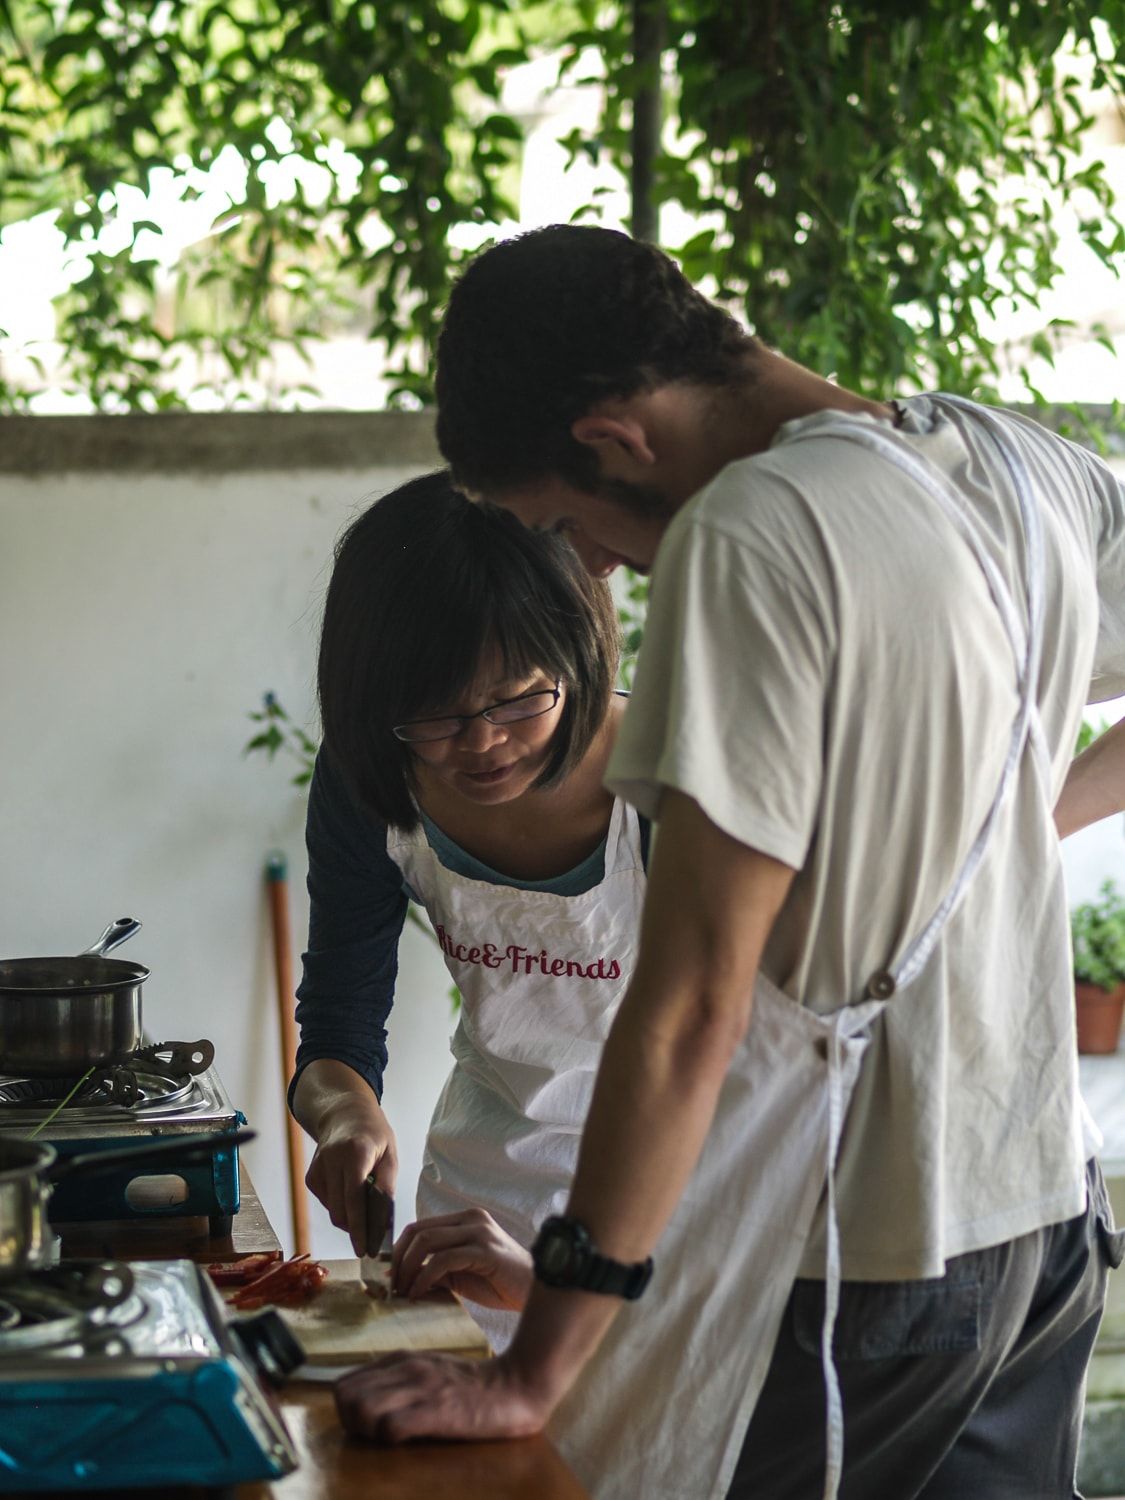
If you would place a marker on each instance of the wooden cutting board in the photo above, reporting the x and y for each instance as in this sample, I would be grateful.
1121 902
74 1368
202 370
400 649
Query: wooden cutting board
344 1324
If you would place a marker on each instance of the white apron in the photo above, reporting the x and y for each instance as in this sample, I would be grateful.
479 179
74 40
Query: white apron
661 1410
541 977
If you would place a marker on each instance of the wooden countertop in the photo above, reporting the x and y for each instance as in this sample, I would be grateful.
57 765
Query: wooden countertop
334 1466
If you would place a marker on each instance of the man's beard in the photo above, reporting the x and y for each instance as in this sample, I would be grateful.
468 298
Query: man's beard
644 500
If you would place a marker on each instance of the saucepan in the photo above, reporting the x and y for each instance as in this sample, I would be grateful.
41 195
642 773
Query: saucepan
30 1169
60 1016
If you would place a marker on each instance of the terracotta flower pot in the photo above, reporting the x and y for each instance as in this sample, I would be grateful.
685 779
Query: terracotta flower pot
1099 1016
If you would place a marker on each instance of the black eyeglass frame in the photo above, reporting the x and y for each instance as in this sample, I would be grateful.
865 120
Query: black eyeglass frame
485 713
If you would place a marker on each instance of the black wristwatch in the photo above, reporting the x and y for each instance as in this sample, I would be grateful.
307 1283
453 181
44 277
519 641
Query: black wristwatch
564 1256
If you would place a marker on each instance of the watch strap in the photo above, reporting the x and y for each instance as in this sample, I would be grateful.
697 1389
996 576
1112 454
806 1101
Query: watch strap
614 1278
564 1257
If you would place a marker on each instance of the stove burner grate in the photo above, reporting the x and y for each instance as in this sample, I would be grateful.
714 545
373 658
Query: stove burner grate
126 1086
30 1091
70 1308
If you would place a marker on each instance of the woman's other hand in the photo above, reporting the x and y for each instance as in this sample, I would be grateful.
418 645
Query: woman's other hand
354 1140
467 1253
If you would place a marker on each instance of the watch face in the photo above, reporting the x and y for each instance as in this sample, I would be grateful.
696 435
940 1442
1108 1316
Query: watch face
562 1252
555 1256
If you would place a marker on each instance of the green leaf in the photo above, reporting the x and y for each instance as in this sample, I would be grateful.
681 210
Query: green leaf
1098 938
68 44
502 126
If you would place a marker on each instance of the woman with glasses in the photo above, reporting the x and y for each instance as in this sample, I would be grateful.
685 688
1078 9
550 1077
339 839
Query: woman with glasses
466 679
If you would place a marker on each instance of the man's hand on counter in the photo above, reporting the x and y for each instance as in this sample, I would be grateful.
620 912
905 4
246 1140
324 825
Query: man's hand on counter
404 1396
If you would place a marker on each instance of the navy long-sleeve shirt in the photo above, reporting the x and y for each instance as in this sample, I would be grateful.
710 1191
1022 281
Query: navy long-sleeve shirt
357 907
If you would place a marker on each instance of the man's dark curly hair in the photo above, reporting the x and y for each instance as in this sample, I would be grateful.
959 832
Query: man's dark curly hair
543 326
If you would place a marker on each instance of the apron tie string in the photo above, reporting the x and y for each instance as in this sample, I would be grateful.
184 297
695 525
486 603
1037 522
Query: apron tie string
834 1407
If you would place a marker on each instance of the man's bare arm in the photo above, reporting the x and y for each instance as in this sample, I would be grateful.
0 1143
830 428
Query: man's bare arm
1095 783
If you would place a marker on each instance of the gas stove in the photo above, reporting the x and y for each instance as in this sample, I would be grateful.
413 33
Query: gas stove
167 1089
117 1376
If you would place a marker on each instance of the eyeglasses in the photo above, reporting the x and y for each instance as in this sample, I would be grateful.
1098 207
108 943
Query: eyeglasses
509 711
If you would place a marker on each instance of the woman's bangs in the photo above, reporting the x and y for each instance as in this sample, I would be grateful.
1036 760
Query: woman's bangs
436 671
524 642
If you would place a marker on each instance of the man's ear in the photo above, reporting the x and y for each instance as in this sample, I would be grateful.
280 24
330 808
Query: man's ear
620 440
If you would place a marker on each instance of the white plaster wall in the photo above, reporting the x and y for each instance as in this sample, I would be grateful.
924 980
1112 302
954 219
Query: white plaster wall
141 618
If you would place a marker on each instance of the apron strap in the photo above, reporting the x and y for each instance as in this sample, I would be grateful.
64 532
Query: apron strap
1026 643
1013 461
1027 722
834 1406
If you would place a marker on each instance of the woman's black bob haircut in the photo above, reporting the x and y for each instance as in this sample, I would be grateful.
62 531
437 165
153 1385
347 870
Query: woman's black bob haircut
426 587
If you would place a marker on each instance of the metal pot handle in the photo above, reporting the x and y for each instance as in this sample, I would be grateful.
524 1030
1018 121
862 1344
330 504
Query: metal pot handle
115 933
182 1146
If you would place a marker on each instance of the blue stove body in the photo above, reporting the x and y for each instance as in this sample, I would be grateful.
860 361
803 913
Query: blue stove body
162 1391
208 1187
166 1107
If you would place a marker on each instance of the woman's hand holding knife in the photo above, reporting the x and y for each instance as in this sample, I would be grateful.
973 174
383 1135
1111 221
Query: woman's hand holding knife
354 1141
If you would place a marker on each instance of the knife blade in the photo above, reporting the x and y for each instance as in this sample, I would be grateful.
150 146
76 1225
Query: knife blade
374 1265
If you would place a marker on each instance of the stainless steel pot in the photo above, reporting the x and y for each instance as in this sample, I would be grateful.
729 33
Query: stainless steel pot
60 1016
25 1235
29 1170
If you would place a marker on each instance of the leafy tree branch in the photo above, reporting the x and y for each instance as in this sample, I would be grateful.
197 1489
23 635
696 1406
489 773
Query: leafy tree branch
872 182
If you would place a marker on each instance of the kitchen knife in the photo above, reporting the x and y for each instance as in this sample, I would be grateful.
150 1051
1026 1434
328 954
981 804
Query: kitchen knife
374 1265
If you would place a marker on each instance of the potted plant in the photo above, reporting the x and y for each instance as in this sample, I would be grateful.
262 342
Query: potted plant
1098 939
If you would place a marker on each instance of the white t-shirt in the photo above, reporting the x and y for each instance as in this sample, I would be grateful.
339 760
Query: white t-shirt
825 672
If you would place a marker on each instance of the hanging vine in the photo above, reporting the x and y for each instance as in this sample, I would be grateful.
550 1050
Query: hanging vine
360 135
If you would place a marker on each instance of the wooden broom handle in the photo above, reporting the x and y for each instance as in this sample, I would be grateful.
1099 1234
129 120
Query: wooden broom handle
277 881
